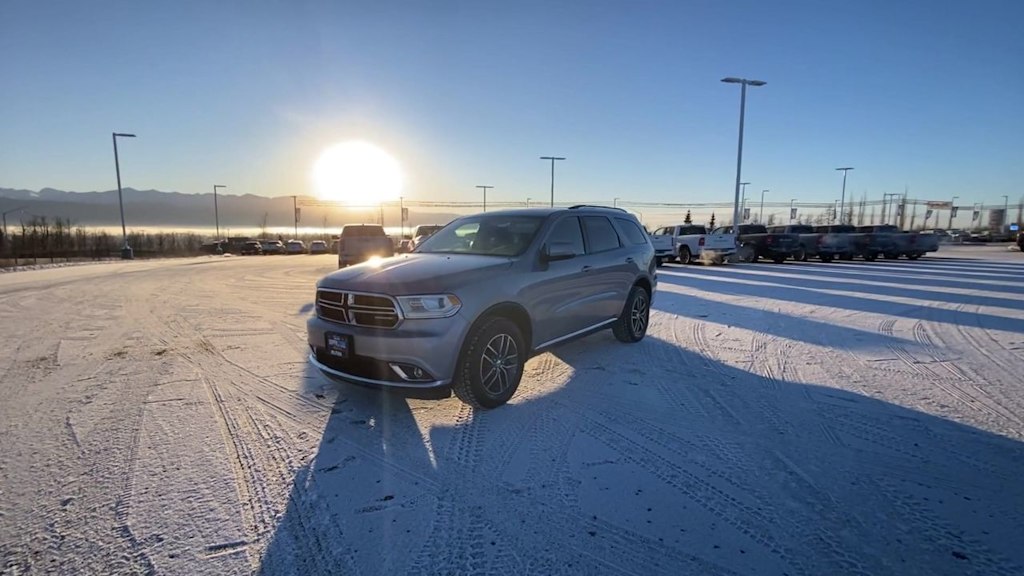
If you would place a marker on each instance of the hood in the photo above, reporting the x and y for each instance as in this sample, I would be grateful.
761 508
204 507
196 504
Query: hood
416 273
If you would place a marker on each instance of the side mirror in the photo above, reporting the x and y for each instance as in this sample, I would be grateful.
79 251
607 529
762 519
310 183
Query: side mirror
558 251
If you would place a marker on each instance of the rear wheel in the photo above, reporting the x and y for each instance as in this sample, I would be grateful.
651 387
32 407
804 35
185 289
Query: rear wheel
870 257
778 259
491 364
632 323
913 256
658 261
892 256
800 255
685 257
826 258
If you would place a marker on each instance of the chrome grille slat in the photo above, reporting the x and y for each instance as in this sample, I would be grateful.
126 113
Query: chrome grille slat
357 308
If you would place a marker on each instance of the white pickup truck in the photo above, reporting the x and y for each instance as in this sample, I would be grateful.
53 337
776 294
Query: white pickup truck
692 243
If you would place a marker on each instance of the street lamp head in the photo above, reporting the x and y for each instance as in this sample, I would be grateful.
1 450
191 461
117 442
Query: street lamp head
219 186
744 183
552 158
846 168
123 135
732 80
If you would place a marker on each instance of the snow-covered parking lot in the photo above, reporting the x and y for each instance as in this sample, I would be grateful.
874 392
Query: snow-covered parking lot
845 418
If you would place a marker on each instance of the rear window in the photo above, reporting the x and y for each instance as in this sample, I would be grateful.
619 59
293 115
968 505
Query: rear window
801 229
361 231
634 235
601 235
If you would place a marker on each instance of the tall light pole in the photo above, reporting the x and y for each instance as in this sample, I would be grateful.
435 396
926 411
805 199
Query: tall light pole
791 209
743 203
126 250
528 201
760 216
552 158
295 215
842 199
743 82
615 202
216 211
952 206
1006 207
485 195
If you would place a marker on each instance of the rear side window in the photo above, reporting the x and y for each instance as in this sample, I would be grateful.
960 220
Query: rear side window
601 235
568 231
634 235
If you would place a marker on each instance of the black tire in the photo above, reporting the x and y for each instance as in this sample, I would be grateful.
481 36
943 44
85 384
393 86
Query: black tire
800 255
847 257
826 258
892 256
778 259
684 255
913 256
491 364
871 257
658 261
635 317
746 254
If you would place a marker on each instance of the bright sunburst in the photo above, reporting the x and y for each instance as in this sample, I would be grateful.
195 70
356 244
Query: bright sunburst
357 173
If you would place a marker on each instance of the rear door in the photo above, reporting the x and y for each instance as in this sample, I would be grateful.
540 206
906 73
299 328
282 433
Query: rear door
611 267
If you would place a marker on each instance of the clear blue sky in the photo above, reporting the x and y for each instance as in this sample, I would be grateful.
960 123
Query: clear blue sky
926 94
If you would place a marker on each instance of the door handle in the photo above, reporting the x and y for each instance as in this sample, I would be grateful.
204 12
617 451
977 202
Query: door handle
629 260
587 268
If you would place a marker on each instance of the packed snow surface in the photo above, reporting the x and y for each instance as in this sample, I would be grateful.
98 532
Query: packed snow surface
801 419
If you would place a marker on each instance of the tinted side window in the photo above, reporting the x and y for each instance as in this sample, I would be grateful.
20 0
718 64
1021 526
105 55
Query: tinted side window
631 231
601 235
568 231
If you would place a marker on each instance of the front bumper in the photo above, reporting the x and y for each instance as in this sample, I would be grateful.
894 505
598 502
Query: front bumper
430 344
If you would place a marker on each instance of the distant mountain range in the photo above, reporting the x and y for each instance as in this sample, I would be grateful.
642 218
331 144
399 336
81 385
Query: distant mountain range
154 208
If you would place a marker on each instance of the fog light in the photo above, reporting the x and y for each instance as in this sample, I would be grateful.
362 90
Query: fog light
411 373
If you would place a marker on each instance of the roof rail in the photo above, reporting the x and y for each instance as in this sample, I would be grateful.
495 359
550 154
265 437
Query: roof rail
578 206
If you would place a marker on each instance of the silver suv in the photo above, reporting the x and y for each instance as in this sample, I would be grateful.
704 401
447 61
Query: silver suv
473 302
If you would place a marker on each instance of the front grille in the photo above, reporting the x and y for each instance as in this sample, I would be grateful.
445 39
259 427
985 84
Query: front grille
356 308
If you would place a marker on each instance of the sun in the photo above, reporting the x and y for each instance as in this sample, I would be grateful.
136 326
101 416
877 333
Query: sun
357 173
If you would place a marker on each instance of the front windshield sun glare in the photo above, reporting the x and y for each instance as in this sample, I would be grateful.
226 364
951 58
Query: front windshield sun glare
484 235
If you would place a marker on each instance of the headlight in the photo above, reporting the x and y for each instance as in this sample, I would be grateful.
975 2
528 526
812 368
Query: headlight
430 306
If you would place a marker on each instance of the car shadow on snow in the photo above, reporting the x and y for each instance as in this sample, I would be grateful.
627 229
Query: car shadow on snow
796 275
653 458
929 279
795 289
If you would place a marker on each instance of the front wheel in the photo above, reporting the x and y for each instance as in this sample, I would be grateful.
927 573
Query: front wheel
746 254
778 259
892 256
871 257
491 364
636 314
826 258
800 255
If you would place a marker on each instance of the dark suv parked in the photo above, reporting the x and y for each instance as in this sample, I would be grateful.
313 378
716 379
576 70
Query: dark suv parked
478 298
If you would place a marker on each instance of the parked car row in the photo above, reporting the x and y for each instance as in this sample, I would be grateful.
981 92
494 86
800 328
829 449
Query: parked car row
751 242
253 247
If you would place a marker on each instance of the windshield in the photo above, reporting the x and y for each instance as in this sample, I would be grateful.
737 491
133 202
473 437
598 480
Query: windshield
426 230
484 235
